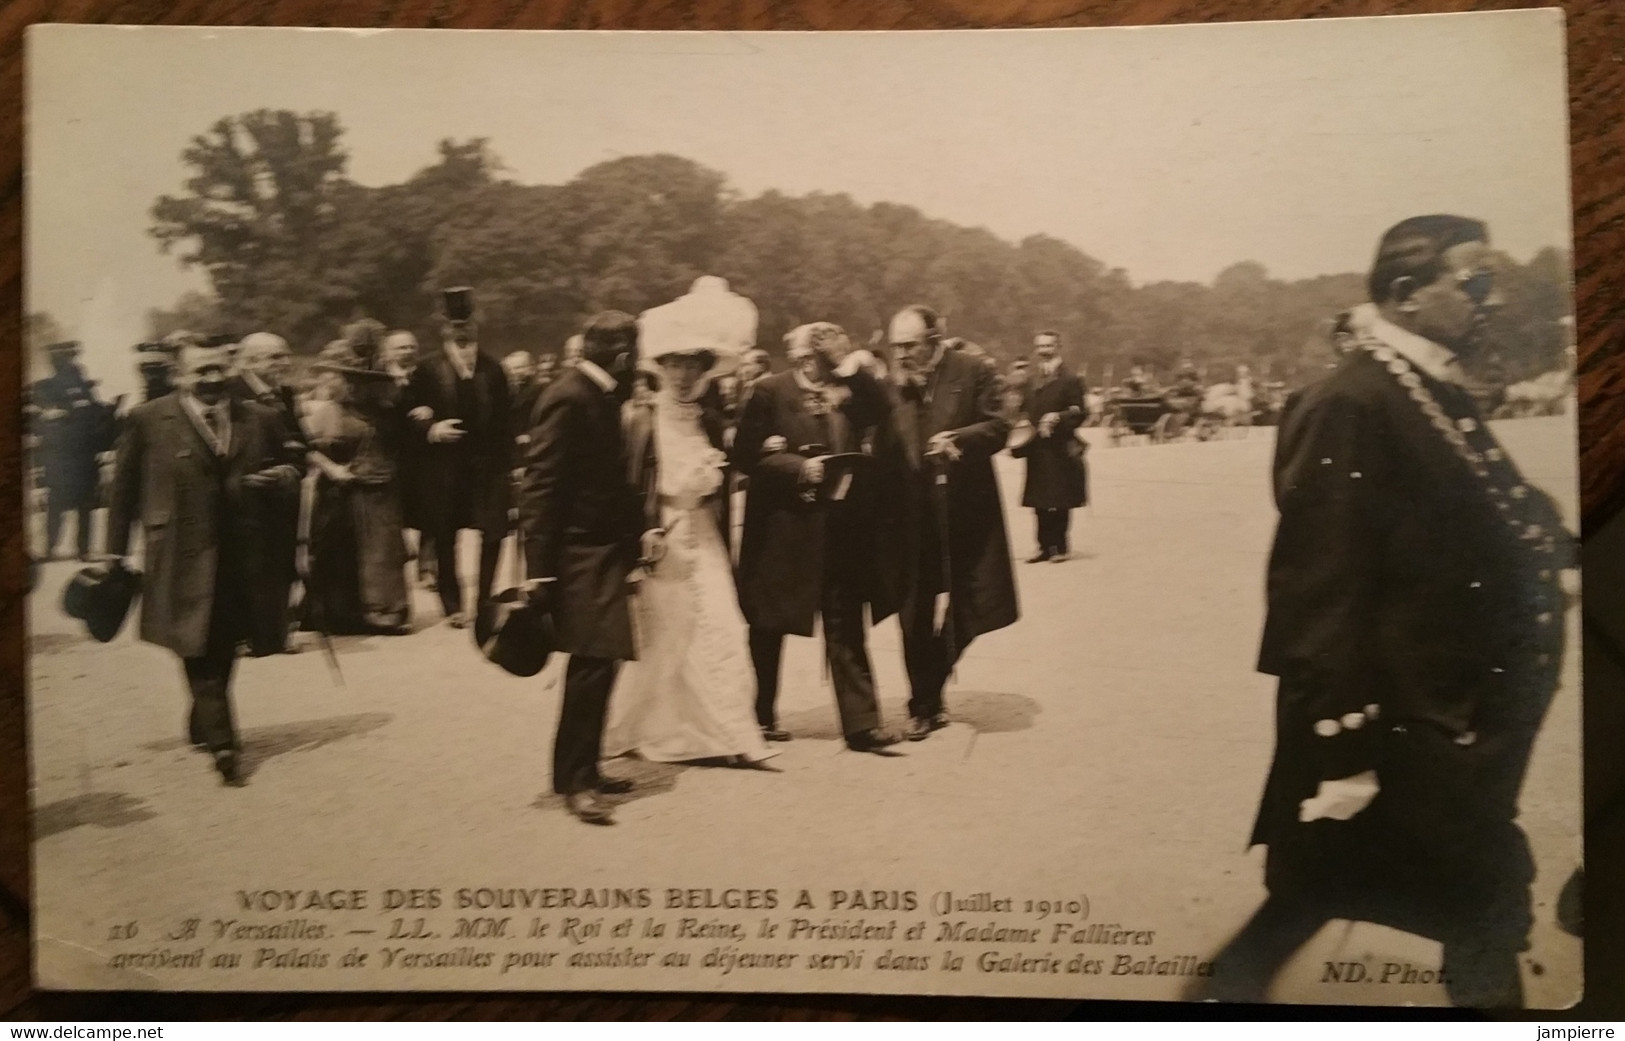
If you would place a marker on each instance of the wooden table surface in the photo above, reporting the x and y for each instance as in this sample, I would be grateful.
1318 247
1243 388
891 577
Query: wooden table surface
1597 94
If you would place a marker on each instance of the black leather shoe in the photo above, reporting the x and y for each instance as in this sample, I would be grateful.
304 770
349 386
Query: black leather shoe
614 785
1039 557
871 740
775 734
919 728
230 767
587 808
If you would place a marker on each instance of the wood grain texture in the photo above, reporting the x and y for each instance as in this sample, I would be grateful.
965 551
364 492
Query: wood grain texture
1597 85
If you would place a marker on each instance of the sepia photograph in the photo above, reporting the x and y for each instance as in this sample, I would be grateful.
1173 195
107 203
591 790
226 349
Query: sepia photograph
1070 513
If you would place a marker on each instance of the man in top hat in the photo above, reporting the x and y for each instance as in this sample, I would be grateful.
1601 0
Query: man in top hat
1056 481
1415 623
811 546
582 522
459 403
74 427
953 554
201 472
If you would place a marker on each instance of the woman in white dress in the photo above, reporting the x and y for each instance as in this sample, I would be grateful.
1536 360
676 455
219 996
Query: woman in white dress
691 692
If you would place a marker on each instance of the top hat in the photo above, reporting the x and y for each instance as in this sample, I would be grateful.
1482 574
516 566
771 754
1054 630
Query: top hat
68 347
514 634
457 304
100 596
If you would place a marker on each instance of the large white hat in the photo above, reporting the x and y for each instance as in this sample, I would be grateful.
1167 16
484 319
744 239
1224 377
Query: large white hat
709 317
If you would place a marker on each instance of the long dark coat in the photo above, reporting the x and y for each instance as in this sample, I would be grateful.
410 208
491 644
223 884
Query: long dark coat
581 515
962 396
462 484
69 444
1419 601
1056 474
197 519
786 545
281 518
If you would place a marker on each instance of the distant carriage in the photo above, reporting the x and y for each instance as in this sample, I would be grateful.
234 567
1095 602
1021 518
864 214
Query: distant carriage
1143 415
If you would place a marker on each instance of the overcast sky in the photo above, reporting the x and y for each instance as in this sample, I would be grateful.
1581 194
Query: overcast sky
1169 151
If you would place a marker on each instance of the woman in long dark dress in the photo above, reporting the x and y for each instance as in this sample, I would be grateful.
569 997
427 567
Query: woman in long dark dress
357 580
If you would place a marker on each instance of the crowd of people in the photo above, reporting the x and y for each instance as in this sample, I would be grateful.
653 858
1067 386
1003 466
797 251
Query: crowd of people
854 484
1417 585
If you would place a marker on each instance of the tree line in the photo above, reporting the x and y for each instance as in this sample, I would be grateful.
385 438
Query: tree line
290 243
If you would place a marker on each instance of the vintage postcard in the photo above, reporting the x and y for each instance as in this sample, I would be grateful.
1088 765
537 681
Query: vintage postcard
1063 513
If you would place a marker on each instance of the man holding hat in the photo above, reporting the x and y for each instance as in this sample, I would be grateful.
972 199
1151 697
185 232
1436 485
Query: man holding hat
810 547
458 402
580 519
200 473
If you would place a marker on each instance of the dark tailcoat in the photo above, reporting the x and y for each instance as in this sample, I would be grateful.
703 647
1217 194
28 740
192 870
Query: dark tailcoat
463 484
786 544
1417 601
962 396
1056 474
199 522
281 519
580 516
70 443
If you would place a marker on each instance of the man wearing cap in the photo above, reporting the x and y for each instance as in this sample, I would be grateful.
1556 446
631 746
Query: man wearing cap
74 428
953 555
458 402
1416 613
582 523
811 547
1056 481
200 473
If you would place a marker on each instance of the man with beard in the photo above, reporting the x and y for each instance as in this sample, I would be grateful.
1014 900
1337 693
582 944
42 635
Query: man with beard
1415 623
1056 481
201 473
580 519
811 546
458 402
953 554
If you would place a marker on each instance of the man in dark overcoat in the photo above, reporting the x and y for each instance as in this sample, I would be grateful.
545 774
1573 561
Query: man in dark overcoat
1057 482
263 363
458 404
582 523
811 547
201 472
1415 622
952 555
74 428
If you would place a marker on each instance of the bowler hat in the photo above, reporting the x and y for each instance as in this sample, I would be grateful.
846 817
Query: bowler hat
100 596
514 634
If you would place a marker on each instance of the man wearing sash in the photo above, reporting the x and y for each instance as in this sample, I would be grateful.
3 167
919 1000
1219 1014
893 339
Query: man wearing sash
1415 623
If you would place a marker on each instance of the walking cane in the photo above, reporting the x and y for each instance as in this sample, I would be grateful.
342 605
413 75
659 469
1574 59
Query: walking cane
942 623
310 616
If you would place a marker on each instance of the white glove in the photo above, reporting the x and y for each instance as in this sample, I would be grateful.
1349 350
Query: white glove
1340 799
446 431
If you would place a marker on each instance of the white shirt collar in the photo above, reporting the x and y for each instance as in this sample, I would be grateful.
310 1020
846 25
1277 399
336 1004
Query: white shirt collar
605 381
463 371
1436 360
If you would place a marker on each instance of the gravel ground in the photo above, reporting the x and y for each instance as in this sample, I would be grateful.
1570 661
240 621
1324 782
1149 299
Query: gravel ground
1108 749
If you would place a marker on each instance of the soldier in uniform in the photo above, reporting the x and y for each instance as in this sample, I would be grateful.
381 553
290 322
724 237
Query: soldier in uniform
73 428
1415 623
458 403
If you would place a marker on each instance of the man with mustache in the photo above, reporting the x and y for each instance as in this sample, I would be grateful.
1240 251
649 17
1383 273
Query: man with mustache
202 473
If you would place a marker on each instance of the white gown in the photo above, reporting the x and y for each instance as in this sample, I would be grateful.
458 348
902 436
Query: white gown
691 693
